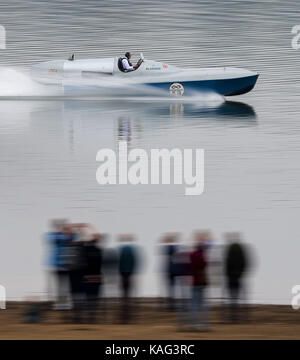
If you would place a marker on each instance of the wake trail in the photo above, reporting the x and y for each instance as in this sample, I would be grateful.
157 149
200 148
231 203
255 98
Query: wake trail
18 83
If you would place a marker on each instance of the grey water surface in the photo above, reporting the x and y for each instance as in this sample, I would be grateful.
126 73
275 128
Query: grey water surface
48 146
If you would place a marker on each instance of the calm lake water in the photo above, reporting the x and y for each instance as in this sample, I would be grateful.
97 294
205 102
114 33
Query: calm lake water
48 147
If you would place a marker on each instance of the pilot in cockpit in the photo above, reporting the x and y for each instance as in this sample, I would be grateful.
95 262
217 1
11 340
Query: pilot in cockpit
125 65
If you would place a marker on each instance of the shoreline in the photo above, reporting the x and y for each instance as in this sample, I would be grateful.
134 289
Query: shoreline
150 322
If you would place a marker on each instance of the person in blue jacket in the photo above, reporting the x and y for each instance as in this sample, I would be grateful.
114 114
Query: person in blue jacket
58 242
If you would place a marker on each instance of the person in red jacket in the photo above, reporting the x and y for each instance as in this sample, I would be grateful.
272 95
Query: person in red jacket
199 308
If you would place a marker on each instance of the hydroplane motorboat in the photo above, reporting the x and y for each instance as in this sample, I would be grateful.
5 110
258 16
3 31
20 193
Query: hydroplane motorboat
94 74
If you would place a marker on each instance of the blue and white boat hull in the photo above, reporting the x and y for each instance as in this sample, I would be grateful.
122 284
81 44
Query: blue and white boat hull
225 87
98 76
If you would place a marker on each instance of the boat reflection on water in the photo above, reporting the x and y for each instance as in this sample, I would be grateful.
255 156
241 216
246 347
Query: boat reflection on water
228 109
81 122
157 115
236 109
233 109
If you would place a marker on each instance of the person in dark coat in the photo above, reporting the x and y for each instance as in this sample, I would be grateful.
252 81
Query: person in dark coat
182 263
76 266
236 265
169 248
128 264
92 253
199 306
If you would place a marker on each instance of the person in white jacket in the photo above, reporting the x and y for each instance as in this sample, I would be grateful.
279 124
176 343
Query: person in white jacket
127 65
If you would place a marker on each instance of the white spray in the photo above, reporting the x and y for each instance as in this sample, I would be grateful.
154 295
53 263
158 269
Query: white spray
17 83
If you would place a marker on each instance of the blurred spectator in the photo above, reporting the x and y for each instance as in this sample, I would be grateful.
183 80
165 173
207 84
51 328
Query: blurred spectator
93 255
169 249
214 260
110 271
183 283
128 264
78 234
199 306
236 265
58 242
